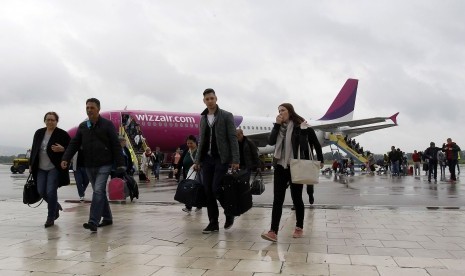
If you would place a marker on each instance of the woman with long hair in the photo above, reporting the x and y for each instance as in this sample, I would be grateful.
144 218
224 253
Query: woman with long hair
289 132
48 146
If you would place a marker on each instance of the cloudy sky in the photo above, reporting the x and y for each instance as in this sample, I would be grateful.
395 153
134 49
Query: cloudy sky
409 57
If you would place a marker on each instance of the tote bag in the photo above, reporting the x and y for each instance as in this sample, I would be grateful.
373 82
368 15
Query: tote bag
305 171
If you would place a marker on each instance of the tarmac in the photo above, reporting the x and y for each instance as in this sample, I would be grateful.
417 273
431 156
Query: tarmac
151 237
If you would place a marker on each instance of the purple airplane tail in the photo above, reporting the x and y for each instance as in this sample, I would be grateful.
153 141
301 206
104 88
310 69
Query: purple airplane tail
343 105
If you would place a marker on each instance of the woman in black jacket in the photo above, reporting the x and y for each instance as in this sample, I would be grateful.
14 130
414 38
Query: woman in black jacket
289 131
48 147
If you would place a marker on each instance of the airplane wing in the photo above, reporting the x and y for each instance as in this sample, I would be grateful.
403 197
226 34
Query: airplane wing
353 123
361 130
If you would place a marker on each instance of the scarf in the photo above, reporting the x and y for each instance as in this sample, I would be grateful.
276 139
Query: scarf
283 151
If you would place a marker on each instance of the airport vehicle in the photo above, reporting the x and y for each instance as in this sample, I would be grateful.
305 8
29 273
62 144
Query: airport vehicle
266 160
168 130
20 163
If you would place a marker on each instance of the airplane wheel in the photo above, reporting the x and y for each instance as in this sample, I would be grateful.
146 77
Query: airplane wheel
13 169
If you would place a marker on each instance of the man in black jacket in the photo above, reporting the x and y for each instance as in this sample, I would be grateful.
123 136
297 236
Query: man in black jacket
431 154
101 148
217 149
248 153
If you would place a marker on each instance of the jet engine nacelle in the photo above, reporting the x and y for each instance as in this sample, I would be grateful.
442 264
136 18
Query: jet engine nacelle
266 150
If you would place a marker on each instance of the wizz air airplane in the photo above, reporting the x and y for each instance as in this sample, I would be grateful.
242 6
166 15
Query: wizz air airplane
168 130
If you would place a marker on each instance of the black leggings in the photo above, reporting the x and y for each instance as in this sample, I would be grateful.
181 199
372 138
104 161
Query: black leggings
281 179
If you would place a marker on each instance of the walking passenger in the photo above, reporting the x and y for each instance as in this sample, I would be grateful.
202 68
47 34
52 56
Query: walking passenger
248 153
431 154
126 156
185 164
218 148
452 150
158 160
99 141
416 158
146 163
442 163
289 132
48 146
80 174
395 159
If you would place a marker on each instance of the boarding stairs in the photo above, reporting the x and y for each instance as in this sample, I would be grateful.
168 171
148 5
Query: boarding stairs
338 141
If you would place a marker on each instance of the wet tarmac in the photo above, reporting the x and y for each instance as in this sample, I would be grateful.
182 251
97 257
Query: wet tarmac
360 226
359 191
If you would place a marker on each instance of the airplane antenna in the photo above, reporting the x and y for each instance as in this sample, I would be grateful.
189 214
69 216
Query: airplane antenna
125 107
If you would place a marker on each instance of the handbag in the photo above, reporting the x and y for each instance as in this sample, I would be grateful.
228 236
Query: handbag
257 187
30 193
191 192
305 171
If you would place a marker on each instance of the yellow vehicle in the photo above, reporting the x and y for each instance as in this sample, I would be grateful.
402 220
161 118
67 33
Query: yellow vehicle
21 163
266 161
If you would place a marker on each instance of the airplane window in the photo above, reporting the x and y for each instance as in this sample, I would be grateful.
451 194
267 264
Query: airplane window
196 125
252 127
149 123
176 125
165 124
261 128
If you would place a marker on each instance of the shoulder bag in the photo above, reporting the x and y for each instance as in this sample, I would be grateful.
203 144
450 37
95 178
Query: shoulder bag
30 193
305 171
257 187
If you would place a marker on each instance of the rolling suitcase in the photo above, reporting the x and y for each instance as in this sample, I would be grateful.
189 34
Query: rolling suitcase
116 189
142 176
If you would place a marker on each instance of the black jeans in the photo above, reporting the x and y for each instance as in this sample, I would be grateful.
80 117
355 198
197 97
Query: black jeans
212 175
433 168
452 164
282 177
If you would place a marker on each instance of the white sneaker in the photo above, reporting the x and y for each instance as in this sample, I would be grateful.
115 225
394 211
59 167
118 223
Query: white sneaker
186 210
198 209
81 199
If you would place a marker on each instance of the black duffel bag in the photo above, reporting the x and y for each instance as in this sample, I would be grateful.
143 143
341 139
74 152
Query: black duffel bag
235 193
191 193
257 187
30 193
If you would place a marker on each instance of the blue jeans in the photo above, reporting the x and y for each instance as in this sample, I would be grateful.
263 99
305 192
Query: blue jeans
433 169
82 181
212 174
156 170
395 167
99 208
47 186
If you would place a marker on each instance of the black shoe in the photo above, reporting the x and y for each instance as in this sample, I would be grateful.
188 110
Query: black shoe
105 223
229 222
212 227
89 225
59 208
49 223
311 199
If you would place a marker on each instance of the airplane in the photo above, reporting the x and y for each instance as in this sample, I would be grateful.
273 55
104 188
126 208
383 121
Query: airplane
168 130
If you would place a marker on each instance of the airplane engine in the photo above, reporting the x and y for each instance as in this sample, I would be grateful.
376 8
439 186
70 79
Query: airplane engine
266 150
